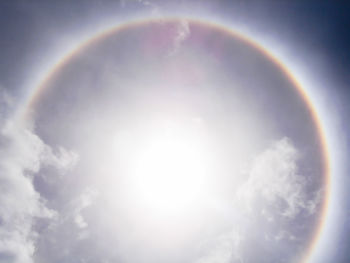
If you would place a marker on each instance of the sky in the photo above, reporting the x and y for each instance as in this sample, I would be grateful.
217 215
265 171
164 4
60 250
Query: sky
173 140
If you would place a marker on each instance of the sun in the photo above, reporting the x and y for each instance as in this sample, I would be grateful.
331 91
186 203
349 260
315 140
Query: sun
169 170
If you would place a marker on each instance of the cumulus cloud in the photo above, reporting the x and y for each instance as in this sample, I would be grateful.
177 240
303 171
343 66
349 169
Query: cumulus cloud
21 155
275 180
19 202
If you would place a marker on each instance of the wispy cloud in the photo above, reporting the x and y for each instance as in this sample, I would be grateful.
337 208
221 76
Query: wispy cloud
61 159
155 9
182 33
225 248
82 202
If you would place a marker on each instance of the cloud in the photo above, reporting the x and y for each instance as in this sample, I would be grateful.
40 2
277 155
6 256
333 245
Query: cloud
7 103
80 221
82 202
275 183
69 231
155 9
274 195
74 210
223 249
61 159
21 155
182 33
19 202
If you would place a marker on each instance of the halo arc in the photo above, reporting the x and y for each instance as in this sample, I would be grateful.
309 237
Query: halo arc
25 112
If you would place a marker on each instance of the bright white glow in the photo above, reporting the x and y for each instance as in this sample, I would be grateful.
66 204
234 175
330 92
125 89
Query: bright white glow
168 171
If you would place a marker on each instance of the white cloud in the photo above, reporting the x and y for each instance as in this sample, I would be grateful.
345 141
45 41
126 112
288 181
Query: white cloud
155 9
274 191
21 155
7 101
225 248
85 200
19 202
274 180
182 33
283 234
62 159
80 221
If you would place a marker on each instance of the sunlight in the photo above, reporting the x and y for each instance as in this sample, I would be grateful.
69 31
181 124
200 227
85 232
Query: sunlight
168 171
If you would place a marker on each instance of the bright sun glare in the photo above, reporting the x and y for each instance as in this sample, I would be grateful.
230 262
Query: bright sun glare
168 170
